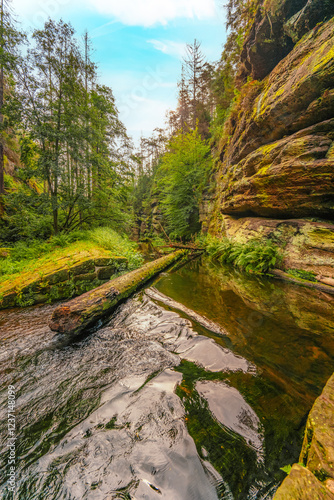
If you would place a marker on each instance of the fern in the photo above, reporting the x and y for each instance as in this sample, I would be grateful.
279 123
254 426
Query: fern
255 256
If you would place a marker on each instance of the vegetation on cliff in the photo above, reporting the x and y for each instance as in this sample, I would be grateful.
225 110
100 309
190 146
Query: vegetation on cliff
255 256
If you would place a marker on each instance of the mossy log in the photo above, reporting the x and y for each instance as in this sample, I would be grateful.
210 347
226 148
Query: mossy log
79 313
286 277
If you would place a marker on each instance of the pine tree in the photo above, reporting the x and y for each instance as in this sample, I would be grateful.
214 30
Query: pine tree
194 65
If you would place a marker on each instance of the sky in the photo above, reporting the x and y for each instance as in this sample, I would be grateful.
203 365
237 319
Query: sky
138 46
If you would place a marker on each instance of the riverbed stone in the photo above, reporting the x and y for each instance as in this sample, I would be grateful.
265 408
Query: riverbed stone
40 298
301 484
103 262
57 277
8 300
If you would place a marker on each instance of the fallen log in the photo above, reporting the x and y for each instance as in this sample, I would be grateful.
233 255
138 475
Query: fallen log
277 273
83 311
184 247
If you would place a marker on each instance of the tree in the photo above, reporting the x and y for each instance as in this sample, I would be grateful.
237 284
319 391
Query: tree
195 97
180 179
194 65
9 39
83 153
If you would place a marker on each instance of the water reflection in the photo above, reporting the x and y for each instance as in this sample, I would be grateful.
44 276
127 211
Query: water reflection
167 402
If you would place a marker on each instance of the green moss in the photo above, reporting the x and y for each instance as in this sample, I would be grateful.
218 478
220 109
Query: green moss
263 170
112 423
326 56
301 274
322 235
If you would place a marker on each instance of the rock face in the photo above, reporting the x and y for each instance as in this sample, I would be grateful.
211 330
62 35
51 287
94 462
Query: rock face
277 27
305 244
277 148
291 177
279 158
316 478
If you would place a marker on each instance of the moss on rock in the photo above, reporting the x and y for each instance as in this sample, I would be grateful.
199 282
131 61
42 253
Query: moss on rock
59 279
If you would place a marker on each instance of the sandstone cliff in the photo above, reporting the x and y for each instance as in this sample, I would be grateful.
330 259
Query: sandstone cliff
314 476
275 176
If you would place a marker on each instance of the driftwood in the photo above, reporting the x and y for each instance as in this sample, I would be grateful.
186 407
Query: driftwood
287 277
83 311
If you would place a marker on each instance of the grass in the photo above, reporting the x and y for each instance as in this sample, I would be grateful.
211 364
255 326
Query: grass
255 256
29 259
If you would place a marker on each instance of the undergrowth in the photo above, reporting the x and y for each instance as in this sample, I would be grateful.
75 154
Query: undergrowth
24 254
255 256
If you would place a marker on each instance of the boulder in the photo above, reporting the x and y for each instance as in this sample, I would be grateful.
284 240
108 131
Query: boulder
301 484
318 447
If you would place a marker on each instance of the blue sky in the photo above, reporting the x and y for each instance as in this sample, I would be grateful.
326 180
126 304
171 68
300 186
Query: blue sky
138 46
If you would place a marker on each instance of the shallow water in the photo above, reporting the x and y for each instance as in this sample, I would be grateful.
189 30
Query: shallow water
198 389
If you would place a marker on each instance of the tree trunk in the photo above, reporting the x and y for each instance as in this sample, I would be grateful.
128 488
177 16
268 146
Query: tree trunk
2 184
76 315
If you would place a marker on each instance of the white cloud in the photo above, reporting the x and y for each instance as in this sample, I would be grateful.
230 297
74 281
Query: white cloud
149 12
149 114
175 49
129 12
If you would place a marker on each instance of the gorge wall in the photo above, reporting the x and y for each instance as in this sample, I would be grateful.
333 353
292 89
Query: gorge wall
275 175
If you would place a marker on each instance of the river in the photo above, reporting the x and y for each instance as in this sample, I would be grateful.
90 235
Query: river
196 388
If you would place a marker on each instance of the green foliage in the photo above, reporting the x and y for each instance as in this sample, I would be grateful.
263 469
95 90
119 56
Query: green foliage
75 168
301 274
24 252
255 256
119 245
180 179
286 469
